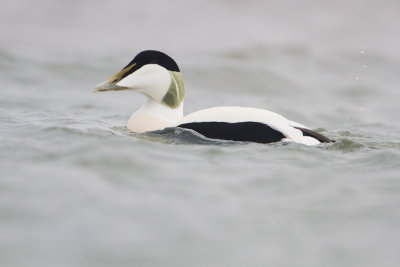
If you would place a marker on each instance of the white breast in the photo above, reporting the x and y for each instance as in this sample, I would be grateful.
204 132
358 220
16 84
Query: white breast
154 116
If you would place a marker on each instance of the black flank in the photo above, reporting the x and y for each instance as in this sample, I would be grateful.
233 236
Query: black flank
240 131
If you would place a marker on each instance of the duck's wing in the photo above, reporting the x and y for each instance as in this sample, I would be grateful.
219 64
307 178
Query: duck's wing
245 124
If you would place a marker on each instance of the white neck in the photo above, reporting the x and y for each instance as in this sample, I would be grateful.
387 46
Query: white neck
154 116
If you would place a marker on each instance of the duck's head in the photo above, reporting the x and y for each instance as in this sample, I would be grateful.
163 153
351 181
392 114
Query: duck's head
151 73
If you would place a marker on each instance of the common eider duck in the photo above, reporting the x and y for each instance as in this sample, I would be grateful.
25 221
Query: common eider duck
157 76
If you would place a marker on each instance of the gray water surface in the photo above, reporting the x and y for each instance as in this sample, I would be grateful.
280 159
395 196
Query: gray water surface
78 189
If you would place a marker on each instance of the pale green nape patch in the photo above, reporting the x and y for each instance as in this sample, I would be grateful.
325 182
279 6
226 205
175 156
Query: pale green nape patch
176 92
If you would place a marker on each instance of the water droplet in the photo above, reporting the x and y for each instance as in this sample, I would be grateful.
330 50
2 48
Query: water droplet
357 78
362 52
